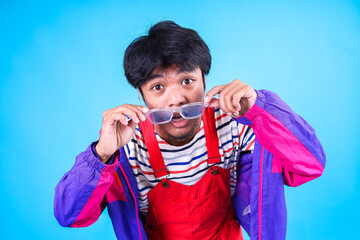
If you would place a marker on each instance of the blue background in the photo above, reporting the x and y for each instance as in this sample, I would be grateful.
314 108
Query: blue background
61 67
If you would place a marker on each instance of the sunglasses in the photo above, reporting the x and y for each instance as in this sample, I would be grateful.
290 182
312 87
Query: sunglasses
165 115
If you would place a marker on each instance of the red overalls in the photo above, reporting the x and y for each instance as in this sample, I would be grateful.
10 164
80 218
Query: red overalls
201 211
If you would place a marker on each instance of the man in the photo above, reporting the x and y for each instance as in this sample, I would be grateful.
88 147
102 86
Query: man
189 166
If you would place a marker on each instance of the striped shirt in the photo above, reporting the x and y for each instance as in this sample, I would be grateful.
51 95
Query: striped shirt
187 164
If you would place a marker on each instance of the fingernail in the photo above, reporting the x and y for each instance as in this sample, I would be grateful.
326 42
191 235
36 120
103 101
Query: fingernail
237 109
145 109
229 114
206 99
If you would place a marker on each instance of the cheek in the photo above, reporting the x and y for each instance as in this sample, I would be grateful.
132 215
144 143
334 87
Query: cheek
198 94
156 103
152 101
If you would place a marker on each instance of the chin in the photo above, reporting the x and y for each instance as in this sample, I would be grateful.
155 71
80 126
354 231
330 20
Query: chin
181 135
178 132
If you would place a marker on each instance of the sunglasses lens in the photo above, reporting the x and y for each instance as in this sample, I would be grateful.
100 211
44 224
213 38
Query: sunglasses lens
160 116
193 111
189 111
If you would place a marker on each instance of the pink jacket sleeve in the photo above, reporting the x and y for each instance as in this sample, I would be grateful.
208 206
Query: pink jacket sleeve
82 193
297 152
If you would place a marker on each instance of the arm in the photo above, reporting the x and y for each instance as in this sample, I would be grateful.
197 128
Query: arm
297 152
79 196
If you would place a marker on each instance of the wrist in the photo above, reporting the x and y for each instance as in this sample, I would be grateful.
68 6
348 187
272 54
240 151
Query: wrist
103 157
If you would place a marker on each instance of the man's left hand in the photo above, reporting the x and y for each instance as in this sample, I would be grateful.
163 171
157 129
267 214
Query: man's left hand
235 98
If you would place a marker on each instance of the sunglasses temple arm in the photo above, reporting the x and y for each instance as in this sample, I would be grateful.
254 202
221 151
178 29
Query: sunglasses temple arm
128 118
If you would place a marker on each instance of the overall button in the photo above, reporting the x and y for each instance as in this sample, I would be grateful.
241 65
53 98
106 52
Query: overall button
214 170
164 183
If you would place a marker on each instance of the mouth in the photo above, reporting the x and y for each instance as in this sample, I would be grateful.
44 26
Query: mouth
177 118
178 121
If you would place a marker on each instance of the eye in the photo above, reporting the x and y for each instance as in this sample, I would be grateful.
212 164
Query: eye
187 81
157 87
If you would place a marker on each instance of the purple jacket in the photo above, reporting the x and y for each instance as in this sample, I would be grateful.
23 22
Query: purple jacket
286 152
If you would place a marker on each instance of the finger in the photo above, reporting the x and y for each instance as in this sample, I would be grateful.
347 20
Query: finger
244 99
227 96
132 124
215 90
231 95
119 108
237 93
110 119
139 112
214 103
119 117
142 108
130 112
229 103
222 103
236 102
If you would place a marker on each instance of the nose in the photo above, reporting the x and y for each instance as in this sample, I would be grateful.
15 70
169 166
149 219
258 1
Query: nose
175 97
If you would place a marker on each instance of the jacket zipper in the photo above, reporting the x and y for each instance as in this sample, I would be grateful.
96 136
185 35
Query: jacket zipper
132 193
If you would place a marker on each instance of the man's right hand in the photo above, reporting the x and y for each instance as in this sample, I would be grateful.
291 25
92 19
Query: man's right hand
116 130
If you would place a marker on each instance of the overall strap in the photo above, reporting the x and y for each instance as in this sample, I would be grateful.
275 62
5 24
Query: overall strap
211 137
156 160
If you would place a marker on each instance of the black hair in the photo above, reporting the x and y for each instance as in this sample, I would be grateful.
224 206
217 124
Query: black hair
166 44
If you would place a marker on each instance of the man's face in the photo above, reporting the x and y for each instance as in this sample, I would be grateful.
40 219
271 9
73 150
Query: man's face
172 88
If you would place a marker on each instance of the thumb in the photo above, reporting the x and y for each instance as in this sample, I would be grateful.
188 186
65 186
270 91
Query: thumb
214 103
132 125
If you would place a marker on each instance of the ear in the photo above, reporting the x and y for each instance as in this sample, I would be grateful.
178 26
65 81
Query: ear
141 95
204 82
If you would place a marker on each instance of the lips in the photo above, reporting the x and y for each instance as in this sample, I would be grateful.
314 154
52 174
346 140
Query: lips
177 121
177 118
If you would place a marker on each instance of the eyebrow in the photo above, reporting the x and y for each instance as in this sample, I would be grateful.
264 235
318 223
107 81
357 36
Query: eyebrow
160 75
155 76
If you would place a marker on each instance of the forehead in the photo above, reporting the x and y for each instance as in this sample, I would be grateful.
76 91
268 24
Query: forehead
172 71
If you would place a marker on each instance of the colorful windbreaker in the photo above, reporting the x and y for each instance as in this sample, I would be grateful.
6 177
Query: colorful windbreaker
286 151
